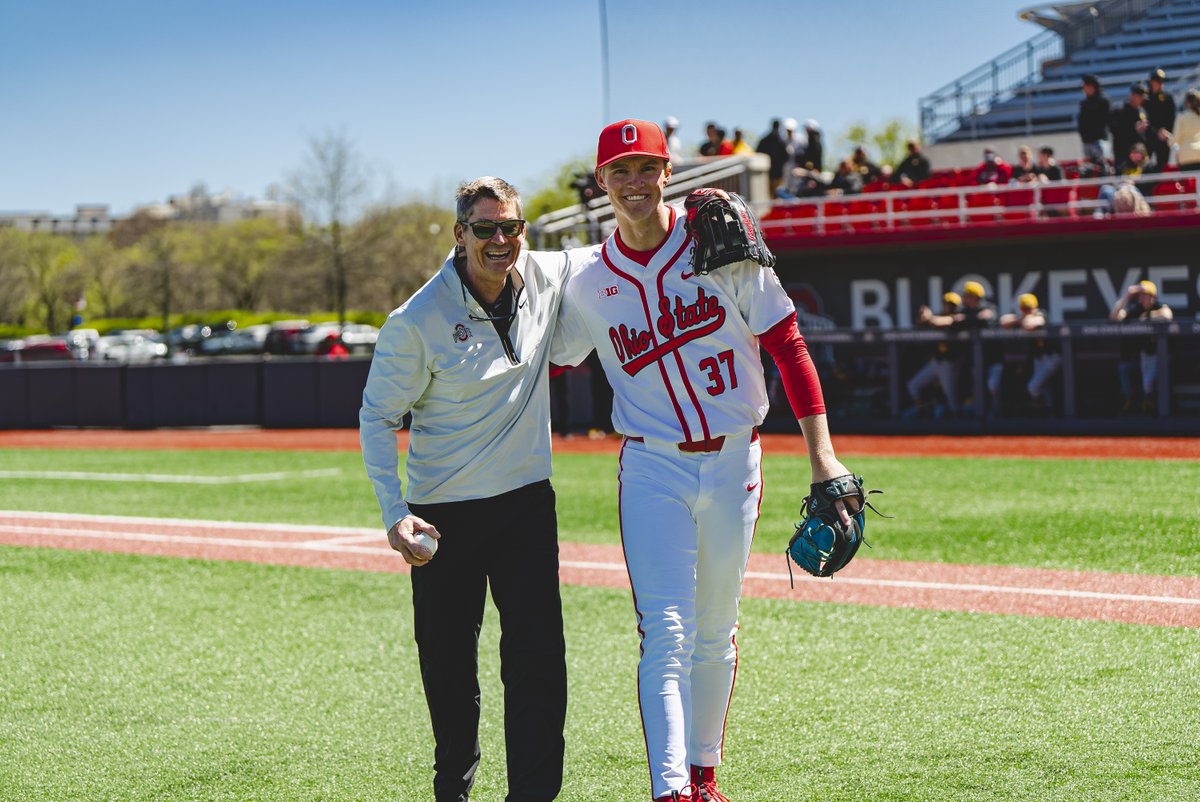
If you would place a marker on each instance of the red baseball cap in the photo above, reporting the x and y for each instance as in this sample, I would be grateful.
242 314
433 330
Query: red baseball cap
631 138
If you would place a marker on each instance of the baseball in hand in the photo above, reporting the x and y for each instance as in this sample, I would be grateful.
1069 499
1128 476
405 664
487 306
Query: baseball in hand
424 541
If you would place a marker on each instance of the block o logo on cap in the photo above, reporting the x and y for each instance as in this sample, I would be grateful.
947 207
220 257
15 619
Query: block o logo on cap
631 138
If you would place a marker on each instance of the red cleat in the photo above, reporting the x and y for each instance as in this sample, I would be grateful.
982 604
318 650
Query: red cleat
704 781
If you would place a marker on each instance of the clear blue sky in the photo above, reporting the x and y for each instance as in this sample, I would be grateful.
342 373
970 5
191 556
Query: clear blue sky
129 101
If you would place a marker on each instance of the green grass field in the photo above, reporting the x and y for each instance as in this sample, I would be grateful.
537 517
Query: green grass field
140 678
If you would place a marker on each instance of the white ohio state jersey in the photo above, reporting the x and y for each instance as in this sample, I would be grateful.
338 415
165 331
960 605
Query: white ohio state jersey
679 349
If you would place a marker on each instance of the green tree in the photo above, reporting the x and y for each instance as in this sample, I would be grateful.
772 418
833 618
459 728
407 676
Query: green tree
241 258
330 185
398 249
12 275
886 143
104 268
55 280
159 278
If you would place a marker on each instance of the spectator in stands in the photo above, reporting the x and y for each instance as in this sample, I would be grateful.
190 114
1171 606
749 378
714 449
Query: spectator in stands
793 142
1024 171
1187 132
1041 358
740 146
1160 111
1047 168
914 168
775 148
1129 125
847 180
1137 161
716 144
942 366
814 152
992 170
1125 198
867 169
674 143
1093 119
1139 354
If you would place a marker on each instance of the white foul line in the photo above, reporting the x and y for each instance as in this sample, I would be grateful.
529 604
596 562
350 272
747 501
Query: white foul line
172 478
350 535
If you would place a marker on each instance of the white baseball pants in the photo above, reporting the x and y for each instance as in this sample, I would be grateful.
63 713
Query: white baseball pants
687 522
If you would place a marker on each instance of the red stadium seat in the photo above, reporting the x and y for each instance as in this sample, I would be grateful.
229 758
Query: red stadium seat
790 219
1018 204
835 214
920 207
860 208
1184 187
1058 201
950 204
977 201
877 186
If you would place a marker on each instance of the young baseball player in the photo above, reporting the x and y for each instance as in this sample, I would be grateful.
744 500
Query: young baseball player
467 355
681 352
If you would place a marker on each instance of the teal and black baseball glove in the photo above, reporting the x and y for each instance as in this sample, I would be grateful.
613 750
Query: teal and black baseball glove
822 544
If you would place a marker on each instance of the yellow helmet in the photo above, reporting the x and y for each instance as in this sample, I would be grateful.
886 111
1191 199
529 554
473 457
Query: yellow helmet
974 288
952 298
1148 287
1027 301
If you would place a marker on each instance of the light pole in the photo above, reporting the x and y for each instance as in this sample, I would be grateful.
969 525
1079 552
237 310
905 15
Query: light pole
604 60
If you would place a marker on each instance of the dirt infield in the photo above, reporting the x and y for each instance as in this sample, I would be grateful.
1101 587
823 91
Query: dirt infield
1170 448
1139 599
1136 599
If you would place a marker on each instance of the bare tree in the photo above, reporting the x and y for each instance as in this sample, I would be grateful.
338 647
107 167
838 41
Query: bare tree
331 186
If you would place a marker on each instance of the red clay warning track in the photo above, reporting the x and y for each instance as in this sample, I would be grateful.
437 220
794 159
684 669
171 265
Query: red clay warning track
1129 598
1171 448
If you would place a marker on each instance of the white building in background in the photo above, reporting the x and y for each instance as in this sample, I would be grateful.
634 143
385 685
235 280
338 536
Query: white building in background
89 218
199 206
196 206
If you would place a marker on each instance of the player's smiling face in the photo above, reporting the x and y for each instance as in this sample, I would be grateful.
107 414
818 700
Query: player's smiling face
489 260
635 185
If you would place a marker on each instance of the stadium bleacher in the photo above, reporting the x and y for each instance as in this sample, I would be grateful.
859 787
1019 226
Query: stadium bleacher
1046 99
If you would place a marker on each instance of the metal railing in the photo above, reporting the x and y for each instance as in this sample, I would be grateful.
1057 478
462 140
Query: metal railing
944 111
592 222
962 206
968 98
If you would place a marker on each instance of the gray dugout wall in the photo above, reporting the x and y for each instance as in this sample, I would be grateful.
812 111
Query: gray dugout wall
274 393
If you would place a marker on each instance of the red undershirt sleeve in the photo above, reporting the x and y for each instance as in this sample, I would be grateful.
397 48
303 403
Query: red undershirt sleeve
786 346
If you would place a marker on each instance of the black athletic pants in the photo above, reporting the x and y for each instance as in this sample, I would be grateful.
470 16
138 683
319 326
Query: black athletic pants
511 542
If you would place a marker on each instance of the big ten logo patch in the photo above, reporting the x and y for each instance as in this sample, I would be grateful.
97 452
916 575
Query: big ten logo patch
607 292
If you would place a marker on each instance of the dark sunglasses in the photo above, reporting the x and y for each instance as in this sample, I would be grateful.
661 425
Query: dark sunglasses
486 229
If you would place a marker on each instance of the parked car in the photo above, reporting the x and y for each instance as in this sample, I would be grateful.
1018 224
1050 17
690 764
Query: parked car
358 338
82 342
131 346
249 340
42 348
284 337
188 339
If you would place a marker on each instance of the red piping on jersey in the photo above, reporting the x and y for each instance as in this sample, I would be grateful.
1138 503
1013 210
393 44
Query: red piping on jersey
687 432
801 383
687 337
737 625
636 610
643 257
